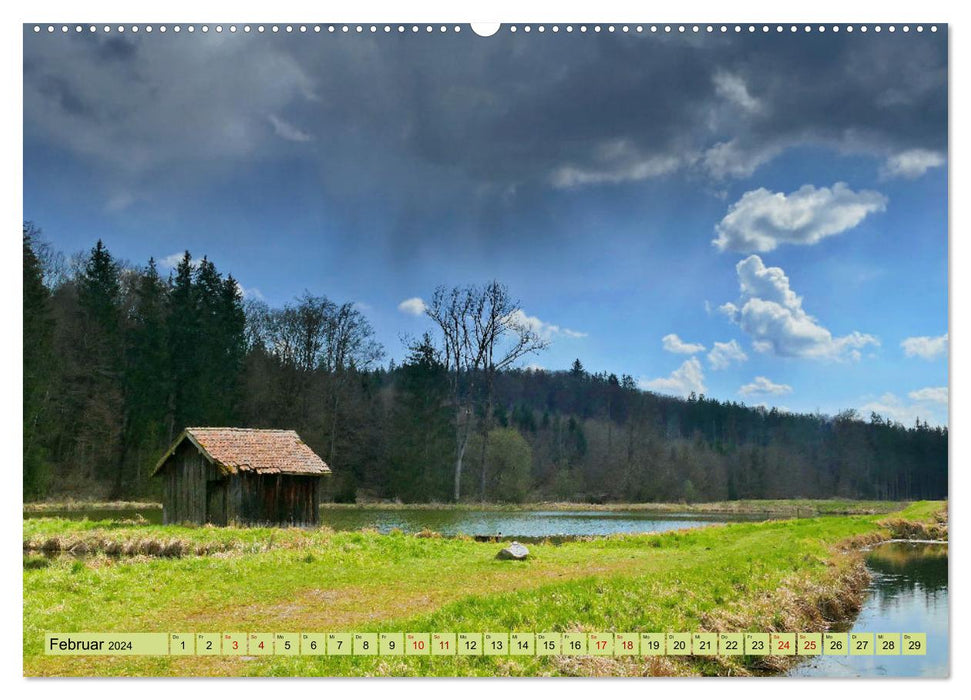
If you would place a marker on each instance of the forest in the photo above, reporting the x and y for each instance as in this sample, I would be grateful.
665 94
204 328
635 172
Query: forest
119 358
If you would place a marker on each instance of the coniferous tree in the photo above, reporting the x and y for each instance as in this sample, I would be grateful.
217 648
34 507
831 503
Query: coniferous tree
421 429
183 342
98 440
148 378
38 369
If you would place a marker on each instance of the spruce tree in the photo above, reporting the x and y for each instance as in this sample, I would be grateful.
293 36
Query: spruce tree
183 333
148 376
38 369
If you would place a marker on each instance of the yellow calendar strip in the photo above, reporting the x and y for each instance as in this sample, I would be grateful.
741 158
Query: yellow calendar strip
517 643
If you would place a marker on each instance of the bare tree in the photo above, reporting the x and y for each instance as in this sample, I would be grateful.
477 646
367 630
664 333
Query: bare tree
483 331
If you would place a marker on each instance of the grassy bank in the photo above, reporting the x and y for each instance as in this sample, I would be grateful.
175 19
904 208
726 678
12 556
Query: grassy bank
792 507
780 575
75 505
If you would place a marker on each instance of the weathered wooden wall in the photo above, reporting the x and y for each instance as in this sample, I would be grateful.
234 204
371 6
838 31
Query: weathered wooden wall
184 494
275 498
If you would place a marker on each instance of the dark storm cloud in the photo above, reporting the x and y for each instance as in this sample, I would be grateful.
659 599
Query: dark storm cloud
117 48
428 119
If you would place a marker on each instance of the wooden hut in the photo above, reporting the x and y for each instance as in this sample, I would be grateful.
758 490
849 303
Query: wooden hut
240 476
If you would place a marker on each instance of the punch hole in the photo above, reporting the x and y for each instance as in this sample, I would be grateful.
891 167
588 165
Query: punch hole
485 28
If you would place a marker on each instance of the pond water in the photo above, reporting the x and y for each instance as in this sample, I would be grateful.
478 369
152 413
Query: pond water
521 524
908 593
483 523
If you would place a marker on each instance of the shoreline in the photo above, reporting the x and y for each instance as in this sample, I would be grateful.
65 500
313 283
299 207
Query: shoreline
782 576
793 507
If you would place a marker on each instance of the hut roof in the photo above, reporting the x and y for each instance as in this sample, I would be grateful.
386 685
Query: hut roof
252 450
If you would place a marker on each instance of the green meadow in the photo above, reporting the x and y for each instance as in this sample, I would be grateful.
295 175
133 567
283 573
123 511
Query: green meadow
778 575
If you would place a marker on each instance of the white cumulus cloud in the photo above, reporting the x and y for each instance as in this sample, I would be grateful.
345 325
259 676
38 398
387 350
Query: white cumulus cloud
544 330
762 220
763 386
414 306
170 262
911 164
687 378
722 355
672 343
771 313
891 406
925 346
931 394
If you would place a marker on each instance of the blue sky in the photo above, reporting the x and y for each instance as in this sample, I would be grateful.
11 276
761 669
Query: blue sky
645 197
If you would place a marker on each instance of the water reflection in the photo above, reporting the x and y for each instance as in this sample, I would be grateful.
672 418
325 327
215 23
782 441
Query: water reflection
908 593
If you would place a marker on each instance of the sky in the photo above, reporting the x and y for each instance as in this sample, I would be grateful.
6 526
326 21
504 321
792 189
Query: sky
758 218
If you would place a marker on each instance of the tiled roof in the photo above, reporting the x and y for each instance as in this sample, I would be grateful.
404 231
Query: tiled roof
253 450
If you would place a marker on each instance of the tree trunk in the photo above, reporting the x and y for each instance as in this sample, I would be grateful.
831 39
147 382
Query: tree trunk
333 424
486 425
461 442
116 492
482 480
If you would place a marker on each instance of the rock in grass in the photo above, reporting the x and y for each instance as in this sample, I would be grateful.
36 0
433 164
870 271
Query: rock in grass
513 551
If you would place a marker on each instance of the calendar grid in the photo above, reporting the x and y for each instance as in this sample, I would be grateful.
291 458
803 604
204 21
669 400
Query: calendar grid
253 644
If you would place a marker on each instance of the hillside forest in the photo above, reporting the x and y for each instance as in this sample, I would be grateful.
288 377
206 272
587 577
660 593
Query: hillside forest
120 357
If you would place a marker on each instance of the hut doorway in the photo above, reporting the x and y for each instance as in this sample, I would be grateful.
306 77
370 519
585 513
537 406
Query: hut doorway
216 502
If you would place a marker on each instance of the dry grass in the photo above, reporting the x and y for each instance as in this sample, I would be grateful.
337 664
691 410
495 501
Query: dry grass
910 530
90 544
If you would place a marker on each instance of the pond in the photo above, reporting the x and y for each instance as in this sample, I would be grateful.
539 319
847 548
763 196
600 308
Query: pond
519 524
908 593
523 524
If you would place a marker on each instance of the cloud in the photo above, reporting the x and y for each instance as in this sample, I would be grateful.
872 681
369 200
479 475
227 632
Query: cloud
931 394
891 406
686 379
732 87
150 109
544 330
288 131
119 202
731 159
912 164
414 306
761 220
763 386
170 262
672 343
722 355
925 346
615 169
249 292
134 105
771 313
